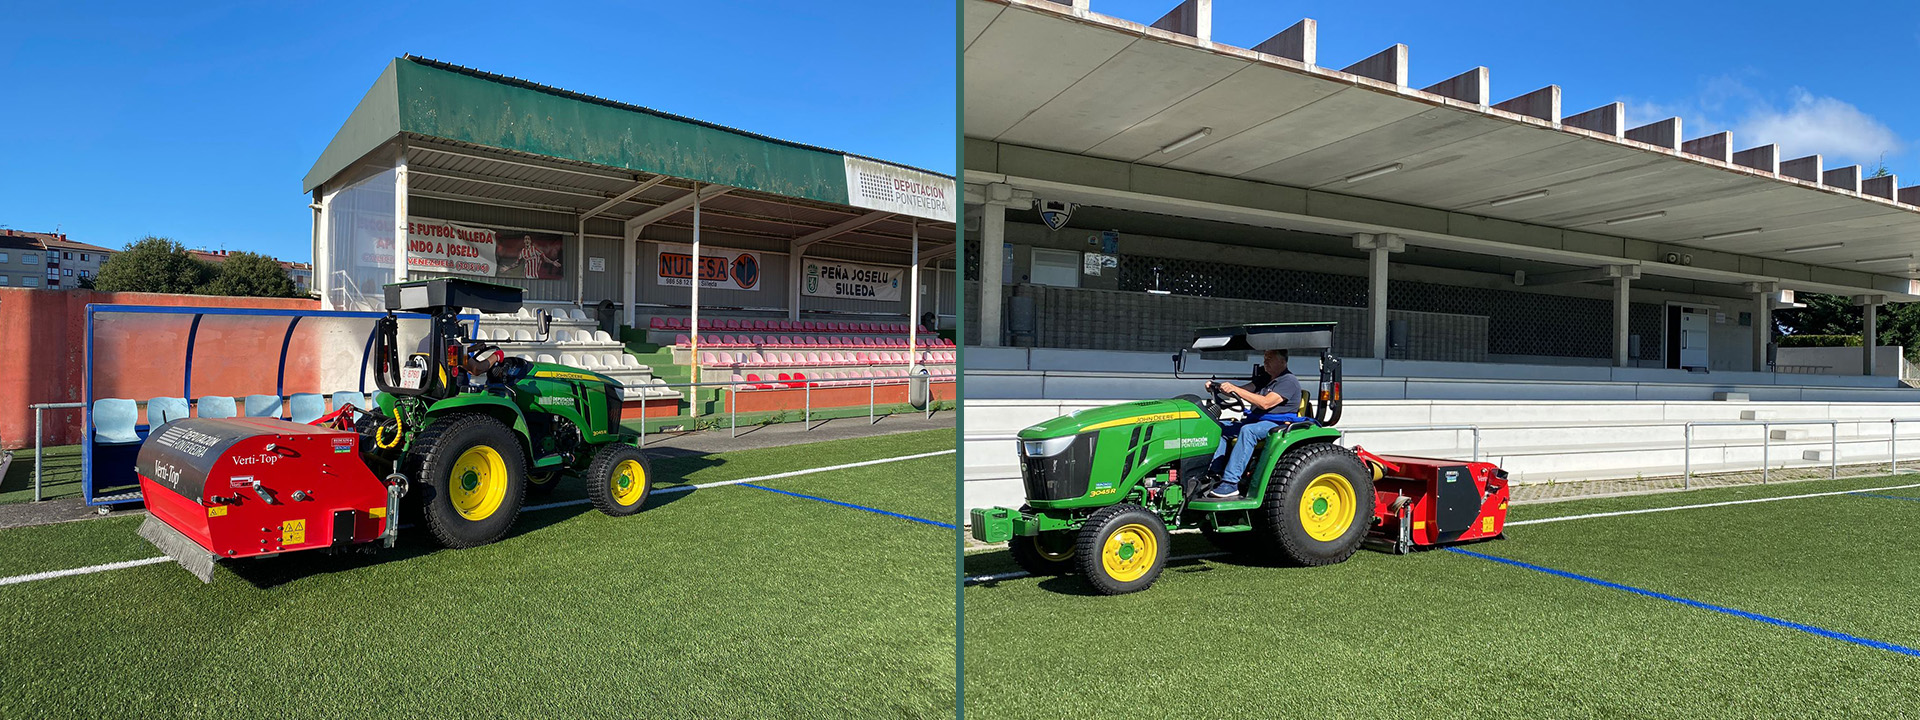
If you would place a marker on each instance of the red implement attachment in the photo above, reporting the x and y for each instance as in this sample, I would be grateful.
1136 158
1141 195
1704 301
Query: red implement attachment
248 487
1421 502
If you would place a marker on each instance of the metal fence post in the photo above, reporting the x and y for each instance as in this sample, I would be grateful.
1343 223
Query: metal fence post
643 418
1893 445
37 412
870 419
806 416
1476 443
733 413
1686 455
1833 450
1766 447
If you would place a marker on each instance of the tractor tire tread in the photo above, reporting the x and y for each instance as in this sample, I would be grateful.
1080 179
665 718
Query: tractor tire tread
600 473
1272 520
425 466
1093 535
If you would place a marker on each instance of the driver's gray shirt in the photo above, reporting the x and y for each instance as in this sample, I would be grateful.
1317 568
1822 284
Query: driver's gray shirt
1287 386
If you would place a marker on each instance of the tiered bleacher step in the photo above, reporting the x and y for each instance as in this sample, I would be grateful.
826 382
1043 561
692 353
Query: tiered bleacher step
574 339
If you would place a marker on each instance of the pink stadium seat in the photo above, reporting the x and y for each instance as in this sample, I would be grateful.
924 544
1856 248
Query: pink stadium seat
753 340
802 378
707 358
682 340
808 340
756 359
656 324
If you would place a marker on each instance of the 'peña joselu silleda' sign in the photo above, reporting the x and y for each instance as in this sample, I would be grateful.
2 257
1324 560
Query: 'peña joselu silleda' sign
829 278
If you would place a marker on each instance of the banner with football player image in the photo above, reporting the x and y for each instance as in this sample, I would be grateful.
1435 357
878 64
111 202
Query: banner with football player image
835 279
529 255
721 268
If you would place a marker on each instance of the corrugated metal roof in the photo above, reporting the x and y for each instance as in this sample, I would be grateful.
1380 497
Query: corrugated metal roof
571 95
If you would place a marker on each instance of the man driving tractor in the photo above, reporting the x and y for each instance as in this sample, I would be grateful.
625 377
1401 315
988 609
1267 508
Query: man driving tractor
1272 397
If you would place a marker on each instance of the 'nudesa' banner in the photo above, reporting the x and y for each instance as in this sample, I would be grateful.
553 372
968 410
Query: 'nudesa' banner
719 267
435 246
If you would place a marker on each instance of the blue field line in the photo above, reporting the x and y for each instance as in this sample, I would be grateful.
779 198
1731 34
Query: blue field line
1889 497
1822 632
935 523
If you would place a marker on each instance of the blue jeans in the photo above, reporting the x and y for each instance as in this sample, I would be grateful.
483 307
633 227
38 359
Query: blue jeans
1249 433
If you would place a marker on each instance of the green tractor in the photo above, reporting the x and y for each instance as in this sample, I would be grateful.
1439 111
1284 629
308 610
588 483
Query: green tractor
476 431
1105 485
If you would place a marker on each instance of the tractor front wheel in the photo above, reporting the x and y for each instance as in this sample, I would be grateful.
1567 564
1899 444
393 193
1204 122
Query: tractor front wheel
1122 549
1318 506
474 477
619 479
1045 554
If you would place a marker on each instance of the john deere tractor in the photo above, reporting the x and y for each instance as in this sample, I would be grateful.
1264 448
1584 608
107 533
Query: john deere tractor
477 431
1104 486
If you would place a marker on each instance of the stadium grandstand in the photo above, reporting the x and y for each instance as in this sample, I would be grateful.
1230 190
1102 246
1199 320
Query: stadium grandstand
1556 291
802 268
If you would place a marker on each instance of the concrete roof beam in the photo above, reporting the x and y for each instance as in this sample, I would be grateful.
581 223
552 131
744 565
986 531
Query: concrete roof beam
1718 146
1468 87
1299 43
1660 133
1075 4
1880 187
1844 178
1192 18
1389 65
1608 119
1543 104
1765 158
1802 168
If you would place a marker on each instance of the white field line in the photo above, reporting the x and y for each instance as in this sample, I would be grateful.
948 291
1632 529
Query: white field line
974 579
90 569
1618 513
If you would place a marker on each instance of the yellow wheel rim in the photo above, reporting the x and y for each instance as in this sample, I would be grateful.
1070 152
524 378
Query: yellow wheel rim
1327 507
479 483
629 482
1130 552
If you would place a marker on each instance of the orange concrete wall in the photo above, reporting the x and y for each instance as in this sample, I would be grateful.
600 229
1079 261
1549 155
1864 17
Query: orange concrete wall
45 334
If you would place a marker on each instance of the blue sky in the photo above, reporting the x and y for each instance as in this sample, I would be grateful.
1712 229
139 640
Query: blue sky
1832 78
197 123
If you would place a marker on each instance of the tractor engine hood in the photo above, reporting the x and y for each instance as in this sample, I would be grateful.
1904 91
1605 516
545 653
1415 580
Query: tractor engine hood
1101 418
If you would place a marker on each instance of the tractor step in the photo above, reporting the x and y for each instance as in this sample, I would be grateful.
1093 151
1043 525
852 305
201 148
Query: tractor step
1207 504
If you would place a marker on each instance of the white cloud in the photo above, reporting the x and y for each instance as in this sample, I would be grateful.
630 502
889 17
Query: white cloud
1813 124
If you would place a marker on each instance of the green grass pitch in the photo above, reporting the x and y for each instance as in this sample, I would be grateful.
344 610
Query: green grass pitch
1439 634
727 602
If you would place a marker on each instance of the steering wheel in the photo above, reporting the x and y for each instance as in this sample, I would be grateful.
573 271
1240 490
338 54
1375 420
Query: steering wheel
1225 400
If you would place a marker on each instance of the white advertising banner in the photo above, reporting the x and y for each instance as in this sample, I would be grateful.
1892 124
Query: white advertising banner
720 267
835 279
444 247
879 186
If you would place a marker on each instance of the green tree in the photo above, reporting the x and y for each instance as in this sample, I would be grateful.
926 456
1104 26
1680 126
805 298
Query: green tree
249 275
154 264
1897 324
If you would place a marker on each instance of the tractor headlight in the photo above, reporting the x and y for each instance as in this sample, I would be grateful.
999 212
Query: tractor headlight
1045 448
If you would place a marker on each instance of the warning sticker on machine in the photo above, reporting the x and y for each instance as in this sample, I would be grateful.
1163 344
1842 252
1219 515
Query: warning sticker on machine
293 532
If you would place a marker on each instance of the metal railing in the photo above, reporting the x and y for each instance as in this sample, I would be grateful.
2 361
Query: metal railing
1475 429
1766 444
806 418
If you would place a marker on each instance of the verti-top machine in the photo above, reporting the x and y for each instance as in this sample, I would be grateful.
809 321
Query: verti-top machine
1104 486
457 431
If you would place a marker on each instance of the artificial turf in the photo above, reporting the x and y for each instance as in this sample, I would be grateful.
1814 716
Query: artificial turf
718 602
1440 634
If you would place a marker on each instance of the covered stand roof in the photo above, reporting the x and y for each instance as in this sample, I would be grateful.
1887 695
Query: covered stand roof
1458 163
479 137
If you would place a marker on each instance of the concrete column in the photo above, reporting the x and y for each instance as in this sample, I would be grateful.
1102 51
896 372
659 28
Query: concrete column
993 235
399 225
1762 323
913 302
1620 307
1379 249
630 271
1868 328
794 277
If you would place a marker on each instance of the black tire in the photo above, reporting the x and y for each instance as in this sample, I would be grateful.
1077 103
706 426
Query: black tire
1044 555
433 462
612 487
1136 527
1279 519
540 484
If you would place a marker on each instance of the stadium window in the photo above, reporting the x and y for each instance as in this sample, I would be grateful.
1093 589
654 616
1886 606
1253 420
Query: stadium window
1055 267
83 257
30 281
67 272
3 257
29 259
84 274
66 256
3 280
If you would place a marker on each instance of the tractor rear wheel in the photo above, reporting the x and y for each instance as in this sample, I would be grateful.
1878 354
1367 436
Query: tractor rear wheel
474 477
1122 549
619 479
1044 554
1318 506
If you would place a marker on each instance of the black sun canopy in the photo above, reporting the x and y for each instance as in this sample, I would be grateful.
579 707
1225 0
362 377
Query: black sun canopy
1265 336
